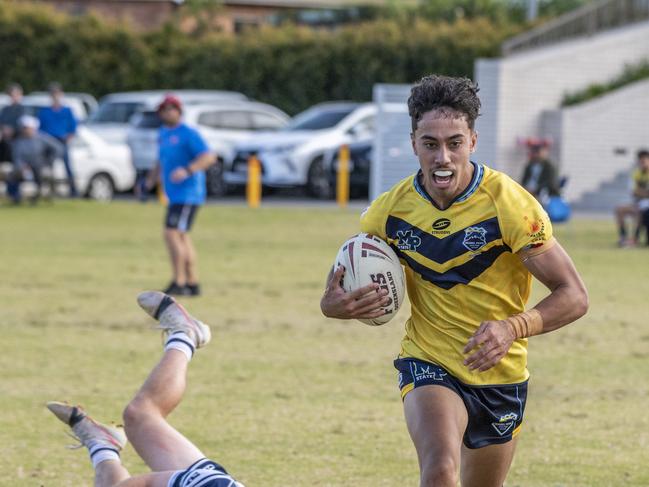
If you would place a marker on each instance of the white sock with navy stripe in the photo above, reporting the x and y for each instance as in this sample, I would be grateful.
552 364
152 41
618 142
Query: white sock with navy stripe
181 341
100 453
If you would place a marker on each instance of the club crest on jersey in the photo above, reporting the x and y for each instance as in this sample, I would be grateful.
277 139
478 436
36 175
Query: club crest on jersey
474 238
408 241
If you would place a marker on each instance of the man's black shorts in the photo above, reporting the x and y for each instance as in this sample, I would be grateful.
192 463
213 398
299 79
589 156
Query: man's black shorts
180 217
495 411
203 473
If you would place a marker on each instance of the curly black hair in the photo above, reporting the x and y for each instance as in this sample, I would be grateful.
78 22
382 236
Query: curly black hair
446 93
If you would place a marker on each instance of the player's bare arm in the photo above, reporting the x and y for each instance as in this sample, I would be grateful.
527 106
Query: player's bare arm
365 302
201 163
153 177
567 301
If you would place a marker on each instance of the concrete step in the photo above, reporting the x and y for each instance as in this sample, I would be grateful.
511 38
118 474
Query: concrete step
610 194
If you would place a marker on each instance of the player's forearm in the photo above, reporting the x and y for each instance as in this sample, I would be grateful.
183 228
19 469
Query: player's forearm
568 298
562 306
202 162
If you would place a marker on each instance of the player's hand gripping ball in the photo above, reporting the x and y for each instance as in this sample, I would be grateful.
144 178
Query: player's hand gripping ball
368 259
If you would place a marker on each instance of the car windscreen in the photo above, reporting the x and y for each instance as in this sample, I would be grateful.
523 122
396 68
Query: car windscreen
115 112
148 120
319 119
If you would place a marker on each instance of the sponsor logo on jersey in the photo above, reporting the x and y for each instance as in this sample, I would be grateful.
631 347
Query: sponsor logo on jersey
408 241
441 224
474 238
537 230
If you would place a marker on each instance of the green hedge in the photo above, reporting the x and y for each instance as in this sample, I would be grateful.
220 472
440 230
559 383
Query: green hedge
289 67
630 74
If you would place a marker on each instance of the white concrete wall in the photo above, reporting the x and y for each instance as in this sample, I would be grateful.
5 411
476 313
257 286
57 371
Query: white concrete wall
515 90
601 137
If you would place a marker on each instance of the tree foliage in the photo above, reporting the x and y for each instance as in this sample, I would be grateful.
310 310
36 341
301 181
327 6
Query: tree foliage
291 67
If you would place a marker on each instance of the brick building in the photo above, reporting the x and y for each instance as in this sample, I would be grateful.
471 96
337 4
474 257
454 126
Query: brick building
227 15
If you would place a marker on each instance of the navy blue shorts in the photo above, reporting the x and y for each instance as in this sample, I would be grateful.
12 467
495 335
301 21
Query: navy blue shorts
495 412
180 217
203 473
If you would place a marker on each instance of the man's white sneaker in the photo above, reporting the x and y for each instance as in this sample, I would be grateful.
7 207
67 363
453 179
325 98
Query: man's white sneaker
89 432
173 317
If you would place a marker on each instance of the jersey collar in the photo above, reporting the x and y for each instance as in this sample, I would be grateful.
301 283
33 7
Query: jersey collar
478 173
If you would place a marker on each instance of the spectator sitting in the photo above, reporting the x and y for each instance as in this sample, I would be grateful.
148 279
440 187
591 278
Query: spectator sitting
59 122
639 205
540 176
32 152
9 116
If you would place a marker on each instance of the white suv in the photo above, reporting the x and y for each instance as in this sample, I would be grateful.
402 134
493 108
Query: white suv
294 156
111 119
222 124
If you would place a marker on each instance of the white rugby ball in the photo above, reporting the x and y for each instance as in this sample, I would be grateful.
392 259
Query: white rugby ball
368 259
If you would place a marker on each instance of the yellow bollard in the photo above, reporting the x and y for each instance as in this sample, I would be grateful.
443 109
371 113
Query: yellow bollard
162 197
342 177
253 187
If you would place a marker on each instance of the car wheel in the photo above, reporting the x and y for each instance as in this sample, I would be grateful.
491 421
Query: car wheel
216 186
100 188
318 184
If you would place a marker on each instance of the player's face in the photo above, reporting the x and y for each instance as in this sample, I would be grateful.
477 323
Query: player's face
169 115
643 163
443 143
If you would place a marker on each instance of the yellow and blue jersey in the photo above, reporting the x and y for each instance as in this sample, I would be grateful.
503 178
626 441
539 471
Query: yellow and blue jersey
461 267
640 179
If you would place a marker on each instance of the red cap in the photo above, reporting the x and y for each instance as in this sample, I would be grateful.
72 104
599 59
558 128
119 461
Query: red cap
172 100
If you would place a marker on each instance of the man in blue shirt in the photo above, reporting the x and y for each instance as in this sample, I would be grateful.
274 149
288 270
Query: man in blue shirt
59 122
183 159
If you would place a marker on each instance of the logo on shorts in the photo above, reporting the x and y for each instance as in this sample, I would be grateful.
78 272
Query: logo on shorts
505 423
474 238
428 372
408 241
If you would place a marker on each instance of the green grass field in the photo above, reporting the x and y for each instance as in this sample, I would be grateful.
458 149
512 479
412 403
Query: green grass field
282 391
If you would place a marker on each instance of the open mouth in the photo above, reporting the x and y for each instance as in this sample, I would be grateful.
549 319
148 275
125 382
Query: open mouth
442 178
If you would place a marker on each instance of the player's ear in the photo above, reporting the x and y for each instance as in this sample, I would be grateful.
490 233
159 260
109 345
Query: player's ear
474 140
412 141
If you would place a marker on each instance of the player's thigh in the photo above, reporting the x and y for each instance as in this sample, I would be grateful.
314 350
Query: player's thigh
436 418
153 479
487 466
162 447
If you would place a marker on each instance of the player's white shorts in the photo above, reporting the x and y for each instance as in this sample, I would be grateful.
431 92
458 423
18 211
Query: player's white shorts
203 473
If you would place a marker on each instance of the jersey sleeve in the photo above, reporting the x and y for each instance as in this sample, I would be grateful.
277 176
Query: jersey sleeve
374 217
525 224
197 145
